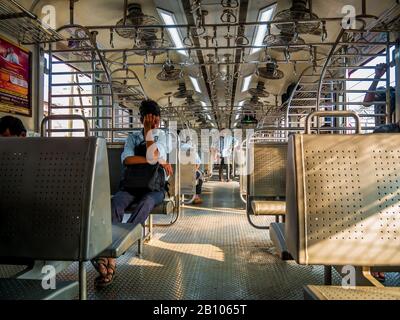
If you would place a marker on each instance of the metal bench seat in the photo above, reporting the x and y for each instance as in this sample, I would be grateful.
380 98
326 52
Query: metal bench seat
342 205
124 235
358 293
273 208
277 235
64 183
23 289
266 180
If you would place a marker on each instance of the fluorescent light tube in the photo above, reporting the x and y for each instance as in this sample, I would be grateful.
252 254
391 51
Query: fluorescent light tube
246 83
195 84
169 19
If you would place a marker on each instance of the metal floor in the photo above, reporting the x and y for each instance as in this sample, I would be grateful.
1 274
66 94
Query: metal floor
210 253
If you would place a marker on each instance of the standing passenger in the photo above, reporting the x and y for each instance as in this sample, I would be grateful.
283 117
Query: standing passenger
222 149
380 96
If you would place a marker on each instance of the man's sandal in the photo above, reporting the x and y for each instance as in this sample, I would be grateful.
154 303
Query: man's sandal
104 281
98 262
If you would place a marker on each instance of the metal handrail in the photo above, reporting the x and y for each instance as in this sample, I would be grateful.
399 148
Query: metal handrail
134 75
64 117
351 114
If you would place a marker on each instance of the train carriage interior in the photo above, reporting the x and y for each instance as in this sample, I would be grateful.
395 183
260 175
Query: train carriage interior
199 150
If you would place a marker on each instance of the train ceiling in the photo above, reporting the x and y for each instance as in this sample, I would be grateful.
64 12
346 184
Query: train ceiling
217 78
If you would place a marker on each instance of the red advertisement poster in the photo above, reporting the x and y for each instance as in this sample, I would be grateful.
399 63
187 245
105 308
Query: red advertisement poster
15 68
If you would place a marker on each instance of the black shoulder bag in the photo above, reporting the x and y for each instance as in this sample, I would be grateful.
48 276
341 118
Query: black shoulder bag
143 177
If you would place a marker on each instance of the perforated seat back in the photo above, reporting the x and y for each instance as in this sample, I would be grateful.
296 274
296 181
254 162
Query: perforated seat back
268 161
55 198
343 199
187 172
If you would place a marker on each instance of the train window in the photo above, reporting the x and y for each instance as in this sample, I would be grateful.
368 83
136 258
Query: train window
62 88
123 119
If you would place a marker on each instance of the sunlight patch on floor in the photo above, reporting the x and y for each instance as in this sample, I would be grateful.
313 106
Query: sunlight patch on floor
135 261
207 251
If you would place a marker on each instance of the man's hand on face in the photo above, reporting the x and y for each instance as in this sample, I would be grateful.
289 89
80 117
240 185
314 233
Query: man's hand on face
148 122
151 121
156 122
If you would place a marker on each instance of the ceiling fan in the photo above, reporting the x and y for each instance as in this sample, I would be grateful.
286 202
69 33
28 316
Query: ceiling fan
144 38
183 92
298 11
169 73
270 71
259 91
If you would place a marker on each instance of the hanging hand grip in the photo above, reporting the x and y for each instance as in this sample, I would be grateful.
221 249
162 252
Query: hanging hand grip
346 114
64 117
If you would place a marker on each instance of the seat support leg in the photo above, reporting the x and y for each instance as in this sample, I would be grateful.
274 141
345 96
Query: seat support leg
366 271
327 275
150 227
147 236
82 281
363 276
140 247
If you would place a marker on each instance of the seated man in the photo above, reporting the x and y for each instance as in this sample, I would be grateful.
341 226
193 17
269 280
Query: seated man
136 153
12 127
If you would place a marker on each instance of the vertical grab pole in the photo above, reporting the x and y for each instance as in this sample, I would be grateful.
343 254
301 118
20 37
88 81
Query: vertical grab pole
71 11
82 281
345 86
178 174
96 89
397 68
388 90
50 81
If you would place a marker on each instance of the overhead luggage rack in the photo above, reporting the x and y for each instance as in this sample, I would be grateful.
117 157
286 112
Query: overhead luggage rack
20 23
